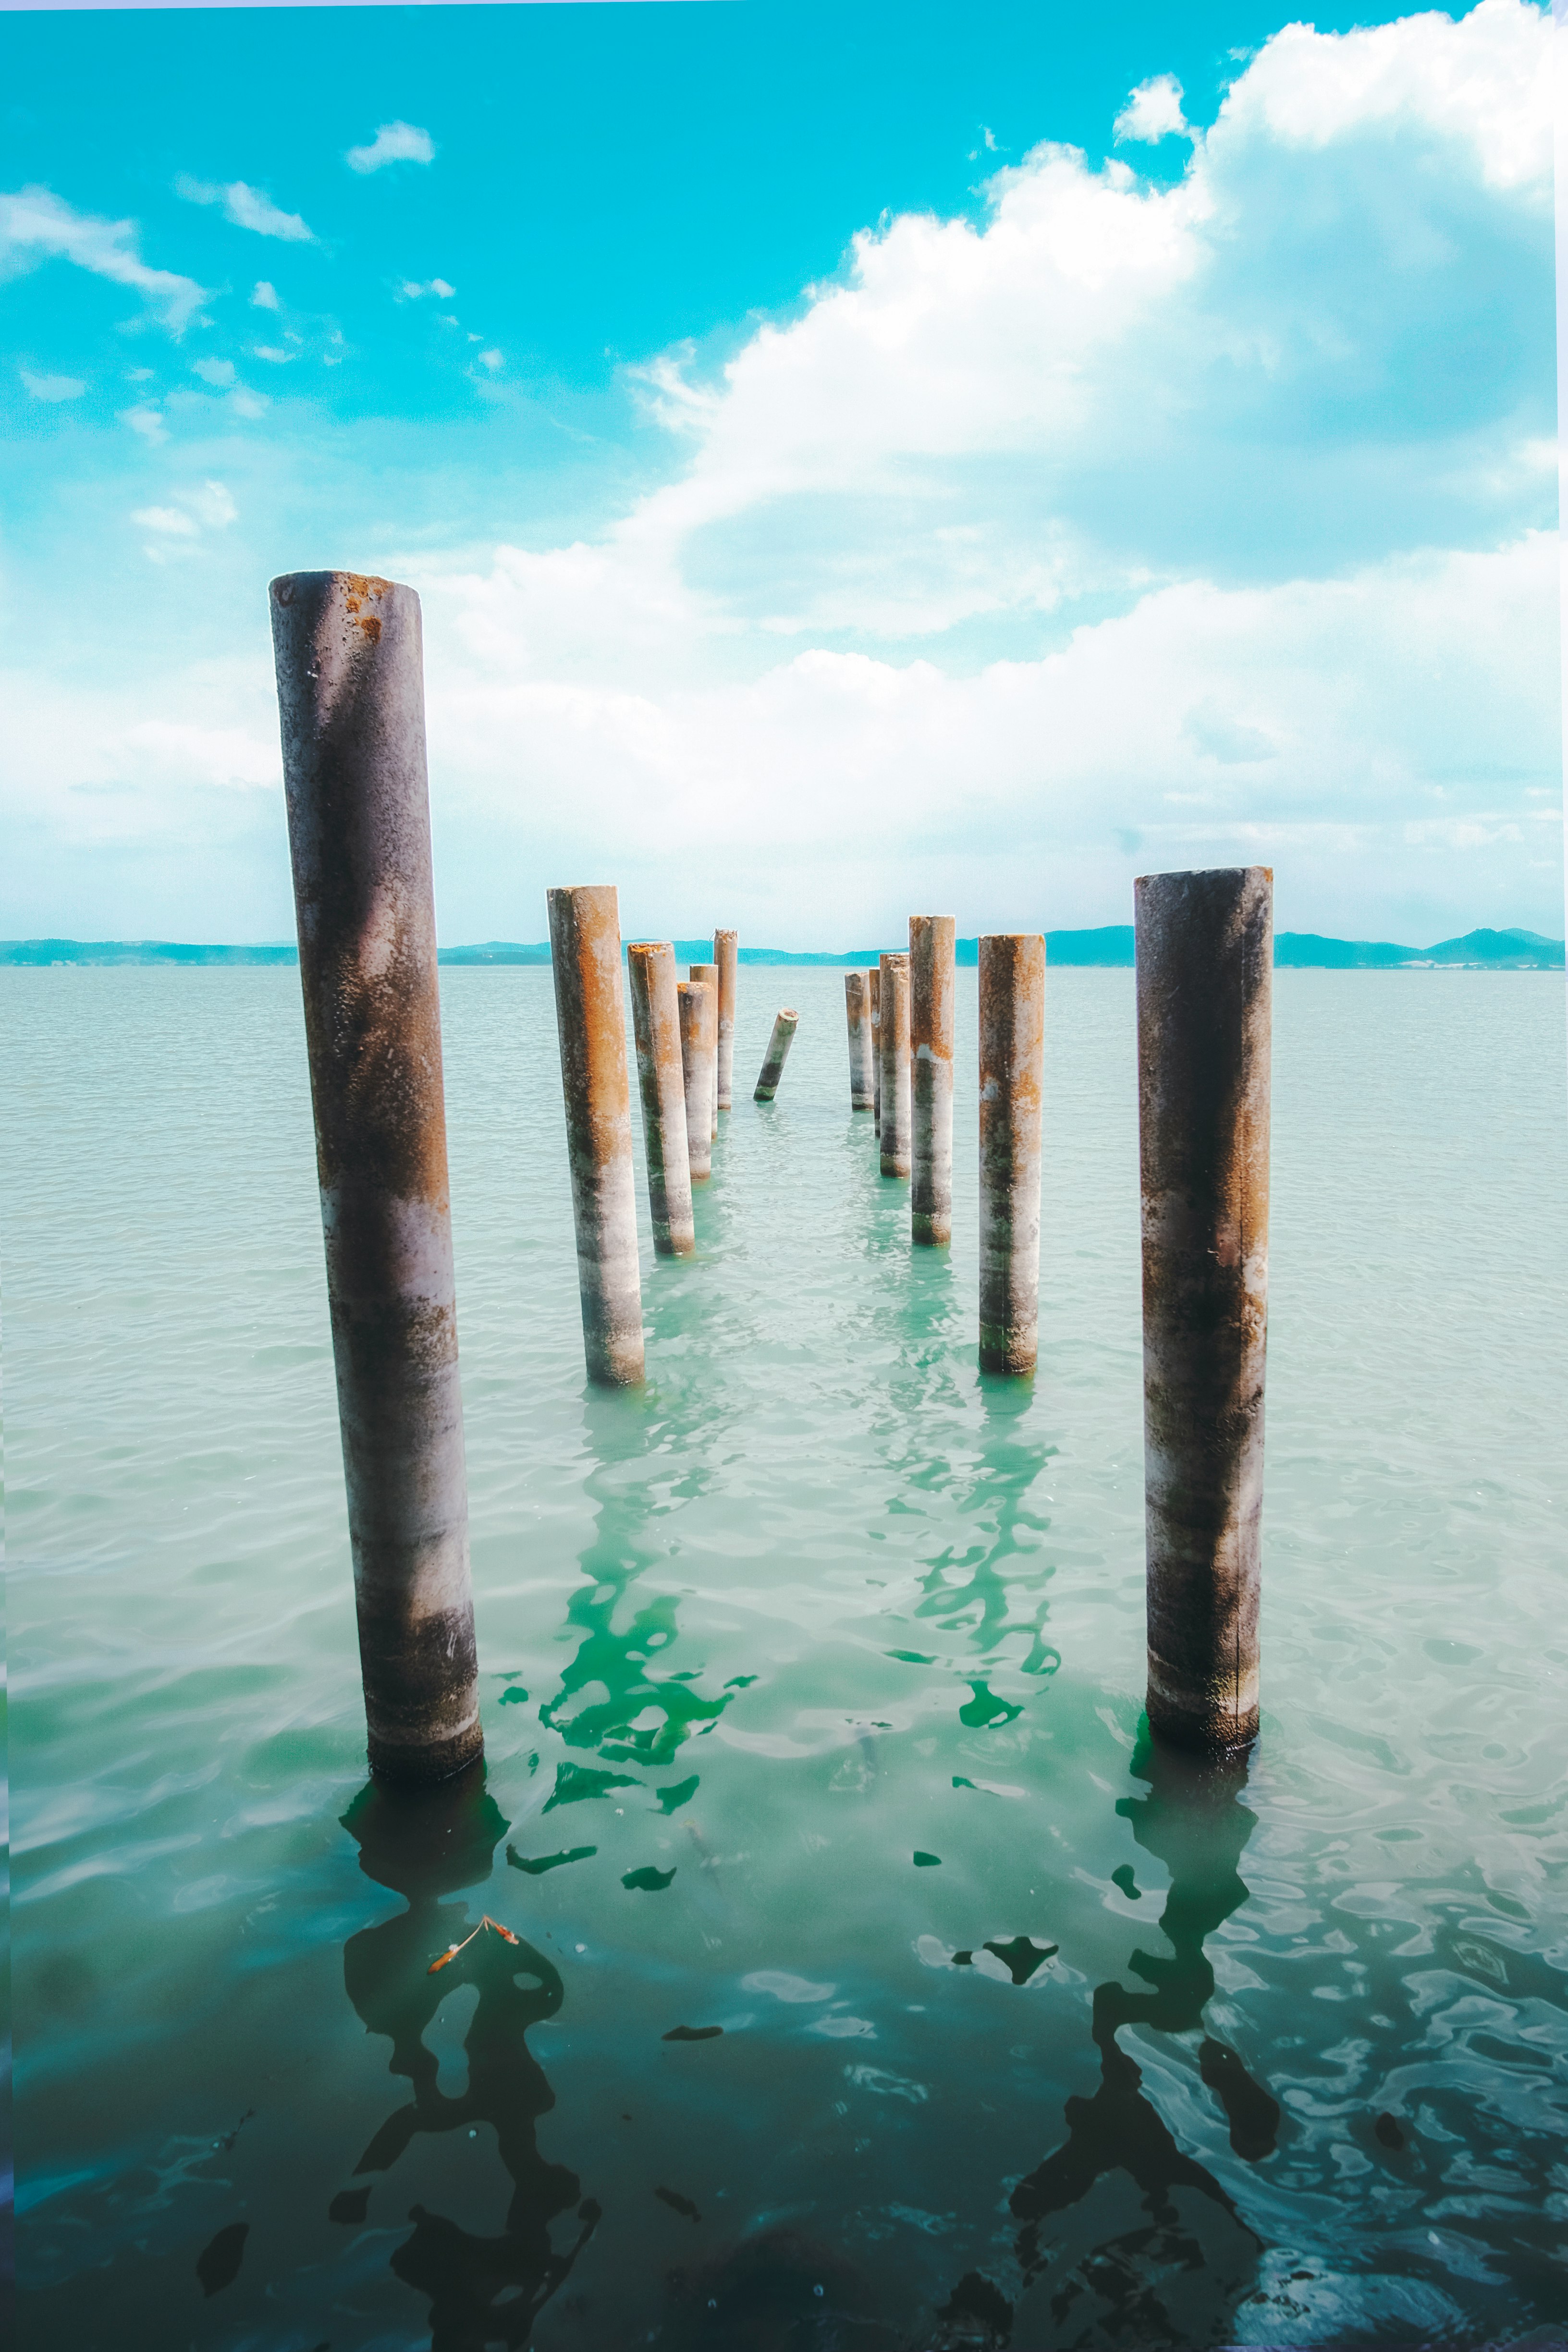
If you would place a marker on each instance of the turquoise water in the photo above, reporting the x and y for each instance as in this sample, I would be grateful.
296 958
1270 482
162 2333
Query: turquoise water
816 1601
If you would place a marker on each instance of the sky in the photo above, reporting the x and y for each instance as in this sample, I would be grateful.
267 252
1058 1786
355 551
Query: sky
854 459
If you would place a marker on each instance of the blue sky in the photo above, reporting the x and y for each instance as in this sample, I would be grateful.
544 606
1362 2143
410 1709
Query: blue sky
851 458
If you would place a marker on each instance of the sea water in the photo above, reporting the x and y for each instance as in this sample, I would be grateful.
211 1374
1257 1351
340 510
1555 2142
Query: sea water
897 1994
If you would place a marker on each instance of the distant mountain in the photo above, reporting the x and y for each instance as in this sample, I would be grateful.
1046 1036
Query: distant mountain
1110 944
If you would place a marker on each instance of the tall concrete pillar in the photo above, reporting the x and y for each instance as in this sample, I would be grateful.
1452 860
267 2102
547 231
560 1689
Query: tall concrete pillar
661 1082
351 698
590 1015
773 1060
875 977
698 1062
706 974
932 1001
1011 1073
893 998
858 1011
726 957
1205 948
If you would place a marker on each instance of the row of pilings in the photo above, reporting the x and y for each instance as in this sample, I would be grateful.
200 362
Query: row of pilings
351 699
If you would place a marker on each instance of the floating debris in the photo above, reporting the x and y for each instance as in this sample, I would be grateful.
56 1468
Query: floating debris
450 1954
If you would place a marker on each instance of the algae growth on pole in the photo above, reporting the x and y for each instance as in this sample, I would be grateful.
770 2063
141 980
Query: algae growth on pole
585 957
858 1014
699 1034
779 1044
1012 1069
1205 948
893 999
726 955
874 981
351 698
933 994
661 1083
707 975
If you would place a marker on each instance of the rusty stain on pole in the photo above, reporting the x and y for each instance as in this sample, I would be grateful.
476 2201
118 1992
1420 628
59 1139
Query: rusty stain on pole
858 1012
590 1016
726 955
661 1082
699 1034
779 1044
875 979
351 698
1012 1071
708 974
894 1000
1204 945
932 992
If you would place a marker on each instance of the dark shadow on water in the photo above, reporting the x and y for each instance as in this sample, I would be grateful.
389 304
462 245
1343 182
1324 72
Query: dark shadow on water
427 1846
1177 2276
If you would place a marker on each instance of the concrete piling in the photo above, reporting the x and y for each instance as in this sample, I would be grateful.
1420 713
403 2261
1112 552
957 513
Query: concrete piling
858 1011
661 1083
894 1000
726 955
698 1058
1205 946
784 1025
351 699
1012 1070
875 979
708 974
585 957
933 997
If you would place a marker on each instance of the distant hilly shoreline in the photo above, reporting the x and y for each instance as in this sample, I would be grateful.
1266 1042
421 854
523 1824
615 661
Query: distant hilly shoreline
1108 947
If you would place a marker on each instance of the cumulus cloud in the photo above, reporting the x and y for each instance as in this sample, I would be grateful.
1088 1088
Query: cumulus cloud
411 290
146 421
395 143
203 507
1153 111
265 297
220 373
246 207
37 227
52 387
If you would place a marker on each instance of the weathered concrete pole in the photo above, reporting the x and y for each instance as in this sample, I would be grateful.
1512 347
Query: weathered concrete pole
661 1082
590 1016
699 1058
858 1011
777 1054
708 974
726 955
875 978
1204 947
894 997
934 991
1012 1071
351 696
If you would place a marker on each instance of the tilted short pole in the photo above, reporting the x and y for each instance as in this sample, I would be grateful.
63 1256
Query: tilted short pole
699 1032
590 1016
1012 1072
726 955
772 1071
858 1011
661 1082
351 696
932 993
1204 945
894 998
708 974
875 978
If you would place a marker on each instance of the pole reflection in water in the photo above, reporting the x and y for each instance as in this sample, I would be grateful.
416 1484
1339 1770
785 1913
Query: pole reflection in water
1171 2279
426 1845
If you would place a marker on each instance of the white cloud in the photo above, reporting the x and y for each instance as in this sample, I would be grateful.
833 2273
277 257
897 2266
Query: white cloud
147 422
411 290
170 520
38 226
52 387
1153 111
208 506
213 505
246 207
272 352
265 297
491 360
395 143
220 374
